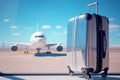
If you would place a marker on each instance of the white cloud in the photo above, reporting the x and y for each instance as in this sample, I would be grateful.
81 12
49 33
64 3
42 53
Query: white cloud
113 27
57 33
65 32
13 27
111 19
46 27
6 20
113 30
60 33
28 28
58 27
16 34
115 46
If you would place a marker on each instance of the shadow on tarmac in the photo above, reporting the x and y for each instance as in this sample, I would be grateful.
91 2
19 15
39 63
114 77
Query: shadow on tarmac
45 54
108 78
13 78
100 78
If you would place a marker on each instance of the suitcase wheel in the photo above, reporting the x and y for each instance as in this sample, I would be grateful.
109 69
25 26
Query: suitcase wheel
71 73
85 73
87 76
104 74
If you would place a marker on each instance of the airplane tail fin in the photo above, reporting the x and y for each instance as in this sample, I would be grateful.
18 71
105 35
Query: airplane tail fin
37 26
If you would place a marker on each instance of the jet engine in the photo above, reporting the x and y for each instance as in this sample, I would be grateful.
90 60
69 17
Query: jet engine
14 48
59 48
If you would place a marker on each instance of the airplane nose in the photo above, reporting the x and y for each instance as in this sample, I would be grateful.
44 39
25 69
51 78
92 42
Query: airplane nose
40 40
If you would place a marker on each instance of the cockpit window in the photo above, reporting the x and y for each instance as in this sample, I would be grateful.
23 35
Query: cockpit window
40 36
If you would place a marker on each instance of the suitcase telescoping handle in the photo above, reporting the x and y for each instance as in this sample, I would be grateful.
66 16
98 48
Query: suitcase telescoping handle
93 4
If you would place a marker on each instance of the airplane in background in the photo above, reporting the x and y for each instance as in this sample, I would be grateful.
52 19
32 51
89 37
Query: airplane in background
37 41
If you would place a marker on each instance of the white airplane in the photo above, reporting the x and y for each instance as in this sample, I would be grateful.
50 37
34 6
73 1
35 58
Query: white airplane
37 41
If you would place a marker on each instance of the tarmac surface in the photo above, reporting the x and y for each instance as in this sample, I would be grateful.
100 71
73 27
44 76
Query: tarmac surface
55 63
58 77
17 62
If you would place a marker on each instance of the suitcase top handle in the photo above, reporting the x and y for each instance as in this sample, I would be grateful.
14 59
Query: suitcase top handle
93 4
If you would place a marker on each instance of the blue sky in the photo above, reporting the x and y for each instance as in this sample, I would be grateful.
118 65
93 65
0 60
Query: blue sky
18 18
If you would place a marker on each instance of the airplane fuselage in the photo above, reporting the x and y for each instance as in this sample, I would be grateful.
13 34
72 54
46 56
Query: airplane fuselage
38 40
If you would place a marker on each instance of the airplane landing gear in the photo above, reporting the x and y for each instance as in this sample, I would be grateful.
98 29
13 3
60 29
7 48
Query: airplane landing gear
48 52
26 51
38 50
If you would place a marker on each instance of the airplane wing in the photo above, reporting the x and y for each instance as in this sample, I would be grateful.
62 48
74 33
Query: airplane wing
23 44
54 44
59 46
15 44
50 45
